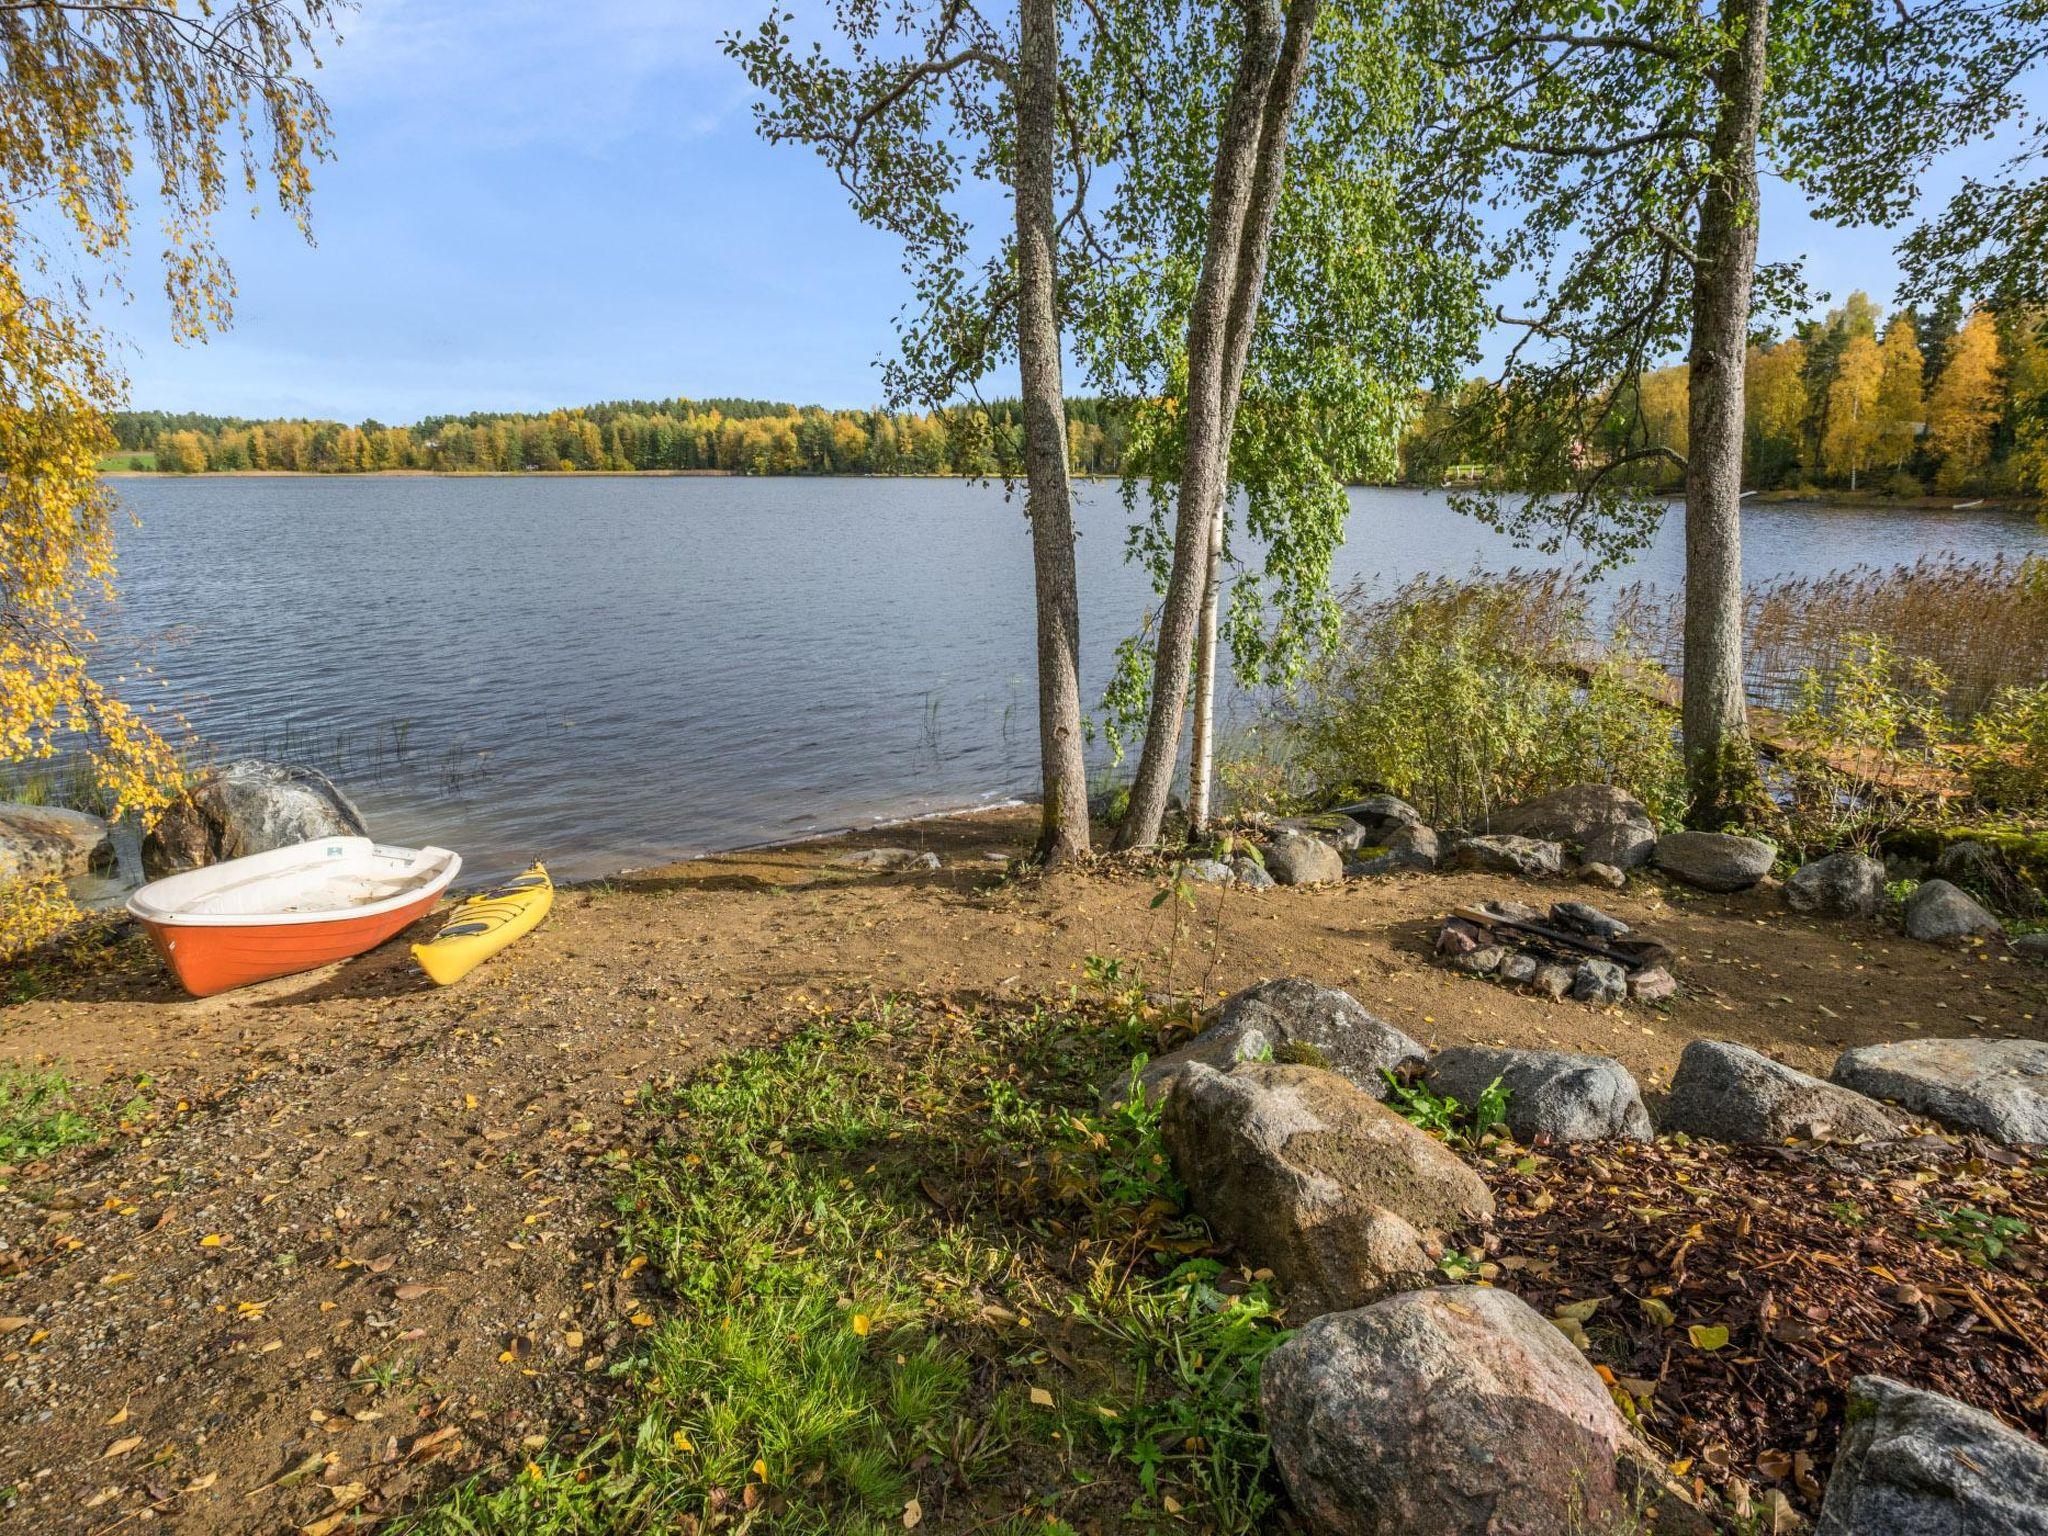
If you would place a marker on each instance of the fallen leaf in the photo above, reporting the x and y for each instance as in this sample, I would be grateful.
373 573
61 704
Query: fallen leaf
211 1240
1657 1312
121 1447
9 1324
641 1320
1041 1397
913 1512
1707 1336
861 1324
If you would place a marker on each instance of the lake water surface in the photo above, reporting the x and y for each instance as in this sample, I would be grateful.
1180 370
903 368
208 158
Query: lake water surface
607 672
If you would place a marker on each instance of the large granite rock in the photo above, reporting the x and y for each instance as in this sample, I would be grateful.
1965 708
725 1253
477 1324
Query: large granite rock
248 807
1550 1093
1304 1173
1937 912
1714 861
1605 824
1381 816
1291 1019
1916 1463
1999 1087
1333 827
1505 855
1729 1092
1456 1411
1295 859
40 840
1843 884
1251 874
1405 848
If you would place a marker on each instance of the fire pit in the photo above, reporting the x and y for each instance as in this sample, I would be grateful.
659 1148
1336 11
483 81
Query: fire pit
1573 950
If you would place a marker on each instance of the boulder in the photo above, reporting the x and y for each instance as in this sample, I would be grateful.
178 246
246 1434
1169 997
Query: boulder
248 807
1455 1411
38 840
1333 827
887 861
1306 1174
1714 861
1599 981
1207 872
1605 824
1845 884
1292 1019
1998 1087
1550 1093
1609 876
1294 859
1406 848
1916 1463
1584 917
2031 946
1503 855
1728 1092
1937 912
1380 816
1251 874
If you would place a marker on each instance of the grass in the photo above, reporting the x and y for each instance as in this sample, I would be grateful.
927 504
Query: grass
129 458
909 1274
41 1113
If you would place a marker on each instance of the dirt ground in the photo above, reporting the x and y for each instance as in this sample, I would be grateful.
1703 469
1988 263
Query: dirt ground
358 1246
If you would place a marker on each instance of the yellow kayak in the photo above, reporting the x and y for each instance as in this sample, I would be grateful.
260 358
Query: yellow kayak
485 923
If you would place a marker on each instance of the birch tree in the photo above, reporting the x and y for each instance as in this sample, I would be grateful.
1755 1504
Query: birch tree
1626 143
915 103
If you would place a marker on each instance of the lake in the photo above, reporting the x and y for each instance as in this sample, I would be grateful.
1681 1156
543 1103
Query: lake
608 672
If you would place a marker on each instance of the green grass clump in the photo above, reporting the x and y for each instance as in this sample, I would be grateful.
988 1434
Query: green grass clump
910 1271
40 1114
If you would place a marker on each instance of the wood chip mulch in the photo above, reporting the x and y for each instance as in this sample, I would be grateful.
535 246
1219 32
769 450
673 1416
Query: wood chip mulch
1821 1263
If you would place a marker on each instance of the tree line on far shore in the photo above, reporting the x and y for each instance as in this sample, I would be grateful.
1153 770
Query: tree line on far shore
746 437
1904 406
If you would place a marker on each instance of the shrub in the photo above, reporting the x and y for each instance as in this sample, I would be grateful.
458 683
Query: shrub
1871 738
2008 763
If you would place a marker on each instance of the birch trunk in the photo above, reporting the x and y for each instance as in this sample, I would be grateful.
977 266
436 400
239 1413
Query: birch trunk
1048 502
1250 171
1720 769
1202 749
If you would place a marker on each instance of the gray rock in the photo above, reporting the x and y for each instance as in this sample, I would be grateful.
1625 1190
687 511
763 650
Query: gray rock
1582 917
1518 968
248 807
1447 1412
887 861
1333 827
1605 824
1916 1463
1513 911
1504 855
1843 884
1405 848
1652 984
1251 874
1293 859
1458 937
1295 1020
1729 1092
1207 872
1302 1172
1999 1087
1550 1093
39 840
1381 816
1714 861
1937 912
1599 981
1392 862
1483 961
2031 946
1554 981
1608 875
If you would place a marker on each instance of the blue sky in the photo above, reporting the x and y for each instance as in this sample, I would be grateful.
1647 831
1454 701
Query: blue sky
537 204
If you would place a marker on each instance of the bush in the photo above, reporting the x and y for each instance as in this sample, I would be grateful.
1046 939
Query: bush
2008 760
1871 743
1464 697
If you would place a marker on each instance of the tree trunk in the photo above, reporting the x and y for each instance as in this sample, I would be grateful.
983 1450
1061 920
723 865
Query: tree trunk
1720 764
1250 170
1202 749
1048 500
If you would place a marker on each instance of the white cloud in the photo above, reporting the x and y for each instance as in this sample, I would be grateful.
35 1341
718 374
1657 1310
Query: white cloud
498 74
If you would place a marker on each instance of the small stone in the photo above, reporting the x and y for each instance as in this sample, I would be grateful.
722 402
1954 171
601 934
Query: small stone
1479 962
1583 917
1840 885
1518 968
1653 984
1515 911
1207 872
1554 981
1599 981
2031 946
1251 874
1458 937
1600 874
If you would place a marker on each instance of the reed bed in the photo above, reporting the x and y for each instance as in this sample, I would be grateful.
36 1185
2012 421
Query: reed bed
1984 623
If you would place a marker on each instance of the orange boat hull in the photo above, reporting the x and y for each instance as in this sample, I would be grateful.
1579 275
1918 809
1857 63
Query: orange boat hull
214 959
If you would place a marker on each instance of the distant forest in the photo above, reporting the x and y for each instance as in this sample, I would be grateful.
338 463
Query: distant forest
1907 406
